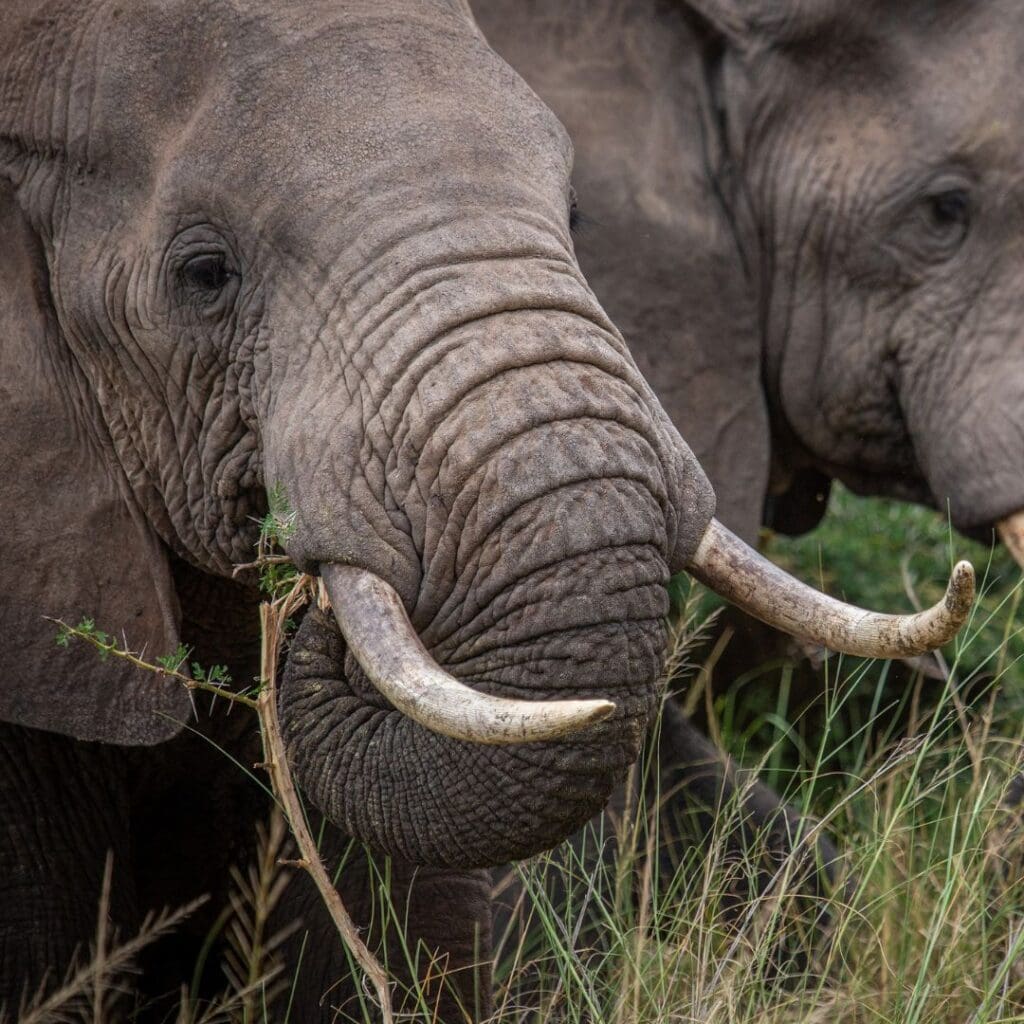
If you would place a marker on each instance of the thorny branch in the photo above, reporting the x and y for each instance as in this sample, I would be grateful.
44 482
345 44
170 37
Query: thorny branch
108 648
273 616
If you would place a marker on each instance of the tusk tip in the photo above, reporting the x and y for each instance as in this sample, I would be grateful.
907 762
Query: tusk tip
1011 533
960 592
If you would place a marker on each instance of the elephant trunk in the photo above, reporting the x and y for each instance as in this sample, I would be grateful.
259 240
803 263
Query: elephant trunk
544 582
520 499
490 469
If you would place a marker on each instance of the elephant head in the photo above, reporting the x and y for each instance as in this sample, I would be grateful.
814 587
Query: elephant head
325 247
875 154
806 221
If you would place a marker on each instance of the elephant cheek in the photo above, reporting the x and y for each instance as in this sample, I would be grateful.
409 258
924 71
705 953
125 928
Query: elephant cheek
432 800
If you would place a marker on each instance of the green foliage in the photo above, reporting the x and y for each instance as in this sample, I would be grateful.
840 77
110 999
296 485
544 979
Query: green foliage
218 675
278 524
174 661
85 630
871 551
878 553
277 575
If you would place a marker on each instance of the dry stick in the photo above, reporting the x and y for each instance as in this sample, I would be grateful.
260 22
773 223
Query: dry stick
260 562
271 618
100 959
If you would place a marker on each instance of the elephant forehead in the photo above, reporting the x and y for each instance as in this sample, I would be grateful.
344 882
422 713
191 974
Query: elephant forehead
325 85
945 84
375 108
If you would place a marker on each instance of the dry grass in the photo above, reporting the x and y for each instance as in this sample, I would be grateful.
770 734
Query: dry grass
927 929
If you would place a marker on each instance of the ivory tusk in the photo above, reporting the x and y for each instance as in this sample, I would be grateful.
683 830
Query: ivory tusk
1011 533
736 571
377 629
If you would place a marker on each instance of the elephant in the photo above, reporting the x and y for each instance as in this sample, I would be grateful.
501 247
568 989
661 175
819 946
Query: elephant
320 250
802 216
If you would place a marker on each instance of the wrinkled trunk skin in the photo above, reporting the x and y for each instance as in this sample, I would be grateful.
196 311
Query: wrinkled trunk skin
431 799
539 501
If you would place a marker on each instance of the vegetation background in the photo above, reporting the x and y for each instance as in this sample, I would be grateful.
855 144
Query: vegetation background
912 776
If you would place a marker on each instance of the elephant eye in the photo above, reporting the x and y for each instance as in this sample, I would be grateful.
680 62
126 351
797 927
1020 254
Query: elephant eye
950 209
948 217
207 273
935 224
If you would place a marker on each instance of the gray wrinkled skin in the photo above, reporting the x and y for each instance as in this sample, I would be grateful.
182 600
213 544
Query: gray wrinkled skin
805 215
322 246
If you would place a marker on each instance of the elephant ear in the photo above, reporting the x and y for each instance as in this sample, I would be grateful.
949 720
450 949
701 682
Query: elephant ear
74 545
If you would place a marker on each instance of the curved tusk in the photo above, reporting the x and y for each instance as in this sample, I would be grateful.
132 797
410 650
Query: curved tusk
1011 533
737 572
378 632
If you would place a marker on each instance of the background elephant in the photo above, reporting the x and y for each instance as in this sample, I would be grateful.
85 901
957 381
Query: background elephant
804 218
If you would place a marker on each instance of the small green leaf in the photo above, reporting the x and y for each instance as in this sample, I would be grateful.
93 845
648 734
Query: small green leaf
173 662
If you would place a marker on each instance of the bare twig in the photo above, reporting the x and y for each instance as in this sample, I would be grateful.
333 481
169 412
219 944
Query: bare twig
272 617
259 563
100 959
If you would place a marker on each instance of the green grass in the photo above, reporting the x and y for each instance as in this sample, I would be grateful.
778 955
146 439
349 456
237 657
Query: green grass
872 552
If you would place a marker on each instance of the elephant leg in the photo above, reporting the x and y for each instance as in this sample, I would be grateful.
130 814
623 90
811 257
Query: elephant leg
697 785
765 846
63 809
430 926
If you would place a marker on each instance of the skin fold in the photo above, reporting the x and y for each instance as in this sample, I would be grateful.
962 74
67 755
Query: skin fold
322 248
